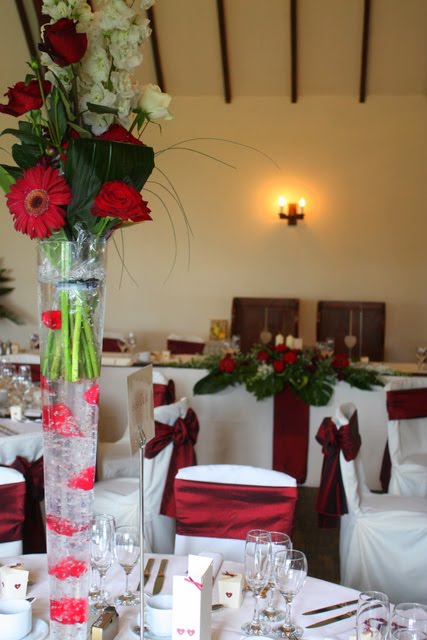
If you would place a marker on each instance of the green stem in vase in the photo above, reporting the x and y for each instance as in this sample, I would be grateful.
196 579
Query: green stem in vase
93 359
65 313
53 370
76 339
89 370
48 353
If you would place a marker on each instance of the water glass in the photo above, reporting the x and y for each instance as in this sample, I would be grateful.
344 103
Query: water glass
257 573
279 542
409 621
373 616
290 572
102 551
127 550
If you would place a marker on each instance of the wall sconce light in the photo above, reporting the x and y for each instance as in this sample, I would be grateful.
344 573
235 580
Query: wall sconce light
295 211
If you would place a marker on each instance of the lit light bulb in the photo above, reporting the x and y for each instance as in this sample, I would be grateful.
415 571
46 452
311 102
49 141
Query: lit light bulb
301 204
282 203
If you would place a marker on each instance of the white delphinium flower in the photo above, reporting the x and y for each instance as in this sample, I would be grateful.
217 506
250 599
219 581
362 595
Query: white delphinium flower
146 4
54 72
95 64
144 28
97 94
123 106
124 48
115 14
154 103
122 84
264 370
73 9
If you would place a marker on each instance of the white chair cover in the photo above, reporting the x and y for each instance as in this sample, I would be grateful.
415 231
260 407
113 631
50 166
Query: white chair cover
120 496
227 474
114 459
407 443
10 476
383 538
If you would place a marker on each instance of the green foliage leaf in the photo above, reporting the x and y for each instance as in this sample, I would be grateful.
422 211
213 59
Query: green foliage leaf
213 382
6 180
100 108
25 134
57 113
25 156
14 172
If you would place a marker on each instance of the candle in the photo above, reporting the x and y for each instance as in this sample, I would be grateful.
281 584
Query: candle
279 339
290 342
297 343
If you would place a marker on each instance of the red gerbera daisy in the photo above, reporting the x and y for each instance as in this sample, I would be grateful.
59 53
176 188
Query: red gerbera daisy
36 201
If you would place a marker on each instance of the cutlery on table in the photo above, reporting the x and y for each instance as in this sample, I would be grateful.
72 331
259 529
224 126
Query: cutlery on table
331 607
147 570
160 578
322 623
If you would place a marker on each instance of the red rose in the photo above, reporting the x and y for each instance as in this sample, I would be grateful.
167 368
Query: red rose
340 361
227 364
278 366
281 348
262 356
290 357
62 42
117 199
24 97
117 133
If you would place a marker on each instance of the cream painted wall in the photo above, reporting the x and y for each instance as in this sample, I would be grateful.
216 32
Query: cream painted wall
361 168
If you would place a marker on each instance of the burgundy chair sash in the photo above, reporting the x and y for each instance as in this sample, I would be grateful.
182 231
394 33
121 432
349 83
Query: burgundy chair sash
183 434
290 434
34 537
331 501
402 404
163 393
12 501
214 510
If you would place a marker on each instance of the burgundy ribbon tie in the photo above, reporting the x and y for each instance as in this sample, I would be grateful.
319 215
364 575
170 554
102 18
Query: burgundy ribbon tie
196 584
34 537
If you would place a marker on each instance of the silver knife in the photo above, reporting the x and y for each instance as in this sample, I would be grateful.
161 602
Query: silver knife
147 570
158 583
330 608
343 616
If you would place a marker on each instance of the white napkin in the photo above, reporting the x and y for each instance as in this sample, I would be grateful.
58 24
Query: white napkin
217 560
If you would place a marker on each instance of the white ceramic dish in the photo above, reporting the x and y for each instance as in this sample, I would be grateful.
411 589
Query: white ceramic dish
40 630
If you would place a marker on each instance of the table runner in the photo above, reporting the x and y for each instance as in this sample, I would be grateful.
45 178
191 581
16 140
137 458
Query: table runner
290 434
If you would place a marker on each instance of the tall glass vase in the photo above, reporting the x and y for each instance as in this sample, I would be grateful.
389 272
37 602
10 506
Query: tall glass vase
71 278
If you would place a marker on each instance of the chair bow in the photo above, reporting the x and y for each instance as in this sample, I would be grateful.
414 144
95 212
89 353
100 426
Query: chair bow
12 499
34 537
331 501
183 434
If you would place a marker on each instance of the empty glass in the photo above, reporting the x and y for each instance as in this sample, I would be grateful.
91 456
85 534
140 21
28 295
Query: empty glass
290 572
373 616
127 550
102 552
279 542
421 356
257 573
409 621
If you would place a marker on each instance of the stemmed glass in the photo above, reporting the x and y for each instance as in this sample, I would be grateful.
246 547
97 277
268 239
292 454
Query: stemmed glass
257 572
373 615
409 621
103 529
421 357
127 550
279 542
290 572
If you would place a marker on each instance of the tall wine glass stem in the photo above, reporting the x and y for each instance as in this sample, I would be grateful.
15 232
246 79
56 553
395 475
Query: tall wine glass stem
127 592
255 619
287 623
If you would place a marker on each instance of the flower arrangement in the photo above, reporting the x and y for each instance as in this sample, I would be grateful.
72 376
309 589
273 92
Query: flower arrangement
79 163
266 369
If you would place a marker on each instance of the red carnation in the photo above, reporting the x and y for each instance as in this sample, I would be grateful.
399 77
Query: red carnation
227 364
290 357
24 97
262 356
340 361
278 366
117 199
62 42
36 200
117 133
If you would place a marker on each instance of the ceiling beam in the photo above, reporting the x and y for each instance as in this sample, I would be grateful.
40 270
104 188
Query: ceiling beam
365 50
294 50
156 50
224 50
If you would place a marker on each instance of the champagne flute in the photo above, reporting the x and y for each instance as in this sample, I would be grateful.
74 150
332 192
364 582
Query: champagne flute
279 542
409 621
103 529
290 572
257 572
373 616
127 550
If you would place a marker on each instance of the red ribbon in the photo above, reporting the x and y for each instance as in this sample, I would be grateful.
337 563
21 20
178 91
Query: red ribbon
214 510
290 434
196 584
163 393
34 536
331 501
402 404
183 434
12 500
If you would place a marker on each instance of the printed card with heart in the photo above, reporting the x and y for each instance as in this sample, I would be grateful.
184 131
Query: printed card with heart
230 588
192 601
13 582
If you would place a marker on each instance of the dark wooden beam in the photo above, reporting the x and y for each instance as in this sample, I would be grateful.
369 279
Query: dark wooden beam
156 50
365 50
224 50
294 51
26 29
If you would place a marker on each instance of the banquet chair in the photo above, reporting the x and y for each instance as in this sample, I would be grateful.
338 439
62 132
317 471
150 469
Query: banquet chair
407 436
216 505
180 345
12 511
114 459
173 445
383 538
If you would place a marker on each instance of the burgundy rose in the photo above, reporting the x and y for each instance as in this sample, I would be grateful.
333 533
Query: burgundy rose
24 97
227 364
117 133
117 199
262 356
281 348
62 42
340 361
290 357
278 366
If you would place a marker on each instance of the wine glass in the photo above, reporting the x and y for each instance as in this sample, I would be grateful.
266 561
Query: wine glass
257 572
421 355
103 529
409 621
290 572
279 542
127 550
373 616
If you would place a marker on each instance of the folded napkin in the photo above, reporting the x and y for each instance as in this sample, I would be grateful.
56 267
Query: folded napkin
217 560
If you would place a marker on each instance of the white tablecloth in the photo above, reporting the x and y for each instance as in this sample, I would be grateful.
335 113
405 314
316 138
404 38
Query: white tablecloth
26 441
226 623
